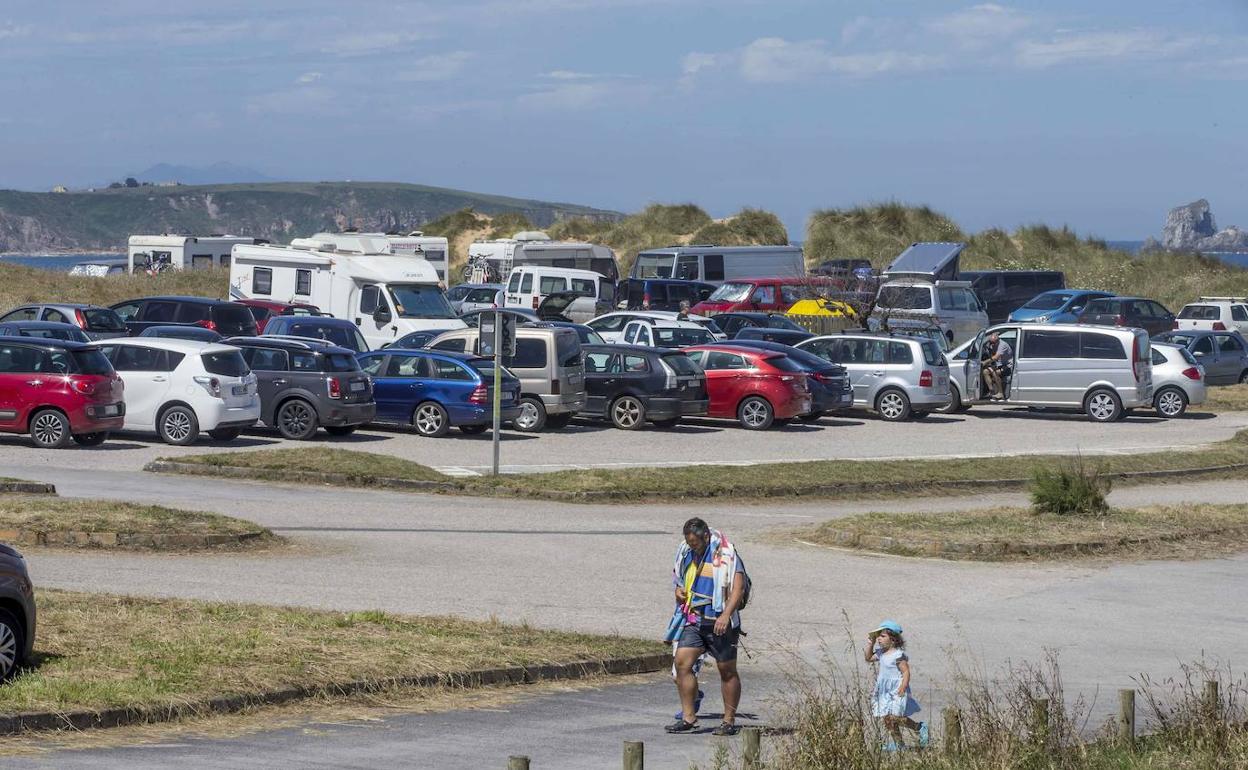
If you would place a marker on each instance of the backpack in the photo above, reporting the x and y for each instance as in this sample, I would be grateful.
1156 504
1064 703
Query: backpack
745 593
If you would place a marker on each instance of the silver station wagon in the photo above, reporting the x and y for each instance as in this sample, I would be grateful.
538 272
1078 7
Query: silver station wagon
899 377
1101 370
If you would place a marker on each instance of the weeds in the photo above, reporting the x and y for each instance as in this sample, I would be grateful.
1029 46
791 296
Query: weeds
1070 489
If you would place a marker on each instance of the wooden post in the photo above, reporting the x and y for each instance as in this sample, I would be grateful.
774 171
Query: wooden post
1126 716
953 730
752 748
1040 720
1213 704
634 755
518 763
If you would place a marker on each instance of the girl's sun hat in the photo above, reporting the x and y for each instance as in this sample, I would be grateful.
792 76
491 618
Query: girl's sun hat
891 626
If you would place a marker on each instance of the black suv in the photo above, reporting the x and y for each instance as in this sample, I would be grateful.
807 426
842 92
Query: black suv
225 318
308 384
630 385
17 612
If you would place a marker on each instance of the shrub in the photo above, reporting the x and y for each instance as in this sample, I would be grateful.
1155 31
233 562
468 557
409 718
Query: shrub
1070 489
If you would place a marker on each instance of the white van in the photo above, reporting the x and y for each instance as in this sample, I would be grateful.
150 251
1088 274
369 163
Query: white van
716 264
153 253
533 247
951 305
387 296
529 285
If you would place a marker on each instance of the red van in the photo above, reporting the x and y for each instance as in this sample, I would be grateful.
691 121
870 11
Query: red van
774 294
758 388
58 391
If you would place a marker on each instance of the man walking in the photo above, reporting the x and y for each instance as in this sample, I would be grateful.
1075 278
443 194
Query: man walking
709 581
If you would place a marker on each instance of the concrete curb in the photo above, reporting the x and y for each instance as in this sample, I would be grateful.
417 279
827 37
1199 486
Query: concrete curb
117 717
816 490
27 488
160 540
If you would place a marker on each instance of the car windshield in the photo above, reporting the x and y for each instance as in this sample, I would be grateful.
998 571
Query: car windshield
1048 302
226 364
731 292
780 322
92 362
340 335
679 338
71 334
905 297
420 300
1200 313
681 363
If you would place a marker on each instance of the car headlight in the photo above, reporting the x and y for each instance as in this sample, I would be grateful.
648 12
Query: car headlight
1041 319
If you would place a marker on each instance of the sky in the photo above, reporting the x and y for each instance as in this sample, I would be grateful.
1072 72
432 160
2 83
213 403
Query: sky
1100 116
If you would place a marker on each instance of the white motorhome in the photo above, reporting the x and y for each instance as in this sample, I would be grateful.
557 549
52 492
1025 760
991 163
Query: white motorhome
160 252
385 295
716 264
414 244
532 247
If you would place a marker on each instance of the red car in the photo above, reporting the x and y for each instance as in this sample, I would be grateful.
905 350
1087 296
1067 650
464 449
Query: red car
58 391
263 309
774 295
756 387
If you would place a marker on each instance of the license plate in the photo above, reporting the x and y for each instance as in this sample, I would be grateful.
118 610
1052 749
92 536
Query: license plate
356 387
240 390
111 410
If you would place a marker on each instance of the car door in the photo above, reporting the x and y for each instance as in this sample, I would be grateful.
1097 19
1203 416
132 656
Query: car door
1203 349
644 336
602 371
17 366
1230 352
271 366
407 379
374 365
1239 318
145 372
726 380
374 317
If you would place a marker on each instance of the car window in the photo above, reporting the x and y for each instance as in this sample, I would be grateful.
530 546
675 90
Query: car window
1239 313
526 283
372 365
1203 346
635 363
630 335
1228 343
22 314
696 356
449 370
455 344
1199 313
194 312
713 267
1158 310
404 366
303 361
56 316
1102 346
1049 344
643 335
530 353
136 358
905 297
602 363
125 312
790 294
16 359
899 353
1159 358
863 350
480 295
103 320
932 353
549 284
764 295
267 359
828 350
159 311
717 359
681 363
226 363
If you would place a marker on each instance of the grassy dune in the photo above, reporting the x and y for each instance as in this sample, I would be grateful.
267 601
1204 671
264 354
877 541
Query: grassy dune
20 284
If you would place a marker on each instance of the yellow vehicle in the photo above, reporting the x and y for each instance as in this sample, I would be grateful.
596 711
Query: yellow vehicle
823 307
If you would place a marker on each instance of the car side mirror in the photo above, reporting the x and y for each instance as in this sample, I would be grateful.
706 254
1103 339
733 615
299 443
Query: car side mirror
382 315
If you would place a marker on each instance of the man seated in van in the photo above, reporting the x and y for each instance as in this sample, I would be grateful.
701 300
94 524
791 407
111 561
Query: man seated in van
996 358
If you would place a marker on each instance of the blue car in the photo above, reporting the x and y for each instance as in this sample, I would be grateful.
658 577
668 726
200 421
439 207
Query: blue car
1059 306
434 390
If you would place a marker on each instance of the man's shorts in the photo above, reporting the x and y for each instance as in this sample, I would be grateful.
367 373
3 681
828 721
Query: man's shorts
722 647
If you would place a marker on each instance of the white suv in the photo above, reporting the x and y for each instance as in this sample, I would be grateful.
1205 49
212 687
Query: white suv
178 388
610 326
665 333
1219 314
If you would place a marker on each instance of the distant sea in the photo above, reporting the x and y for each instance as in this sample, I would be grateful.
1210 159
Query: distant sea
1237 258
60 263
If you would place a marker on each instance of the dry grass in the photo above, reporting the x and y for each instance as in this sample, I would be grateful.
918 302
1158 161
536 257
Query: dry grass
102 651
1228 398
47 514
20 284
361 466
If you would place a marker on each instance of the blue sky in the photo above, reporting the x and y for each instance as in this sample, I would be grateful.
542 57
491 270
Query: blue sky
1097 115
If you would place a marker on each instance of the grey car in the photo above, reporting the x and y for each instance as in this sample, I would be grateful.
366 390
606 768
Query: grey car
17 612
99 323
1223 354
899 377
1178 380
308 384
466 297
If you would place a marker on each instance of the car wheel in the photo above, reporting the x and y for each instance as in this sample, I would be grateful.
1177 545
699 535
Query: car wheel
11 644
755 413
670 423
532 415
893 405
178 425
340 430
813 416
224 434
628 413
1103 405
473 430
1170 402
430 420
955 403
296 420
559 420
91 439
49 429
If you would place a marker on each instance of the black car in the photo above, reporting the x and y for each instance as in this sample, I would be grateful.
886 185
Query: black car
631 385
771 327
415 340
17 612
304 385
830 388
228 319
662 293
1004 291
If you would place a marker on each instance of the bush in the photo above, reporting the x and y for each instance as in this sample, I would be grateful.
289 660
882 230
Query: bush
1071 489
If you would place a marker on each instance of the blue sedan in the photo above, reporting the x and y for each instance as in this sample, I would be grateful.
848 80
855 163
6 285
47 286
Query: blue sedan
433 390
1059 306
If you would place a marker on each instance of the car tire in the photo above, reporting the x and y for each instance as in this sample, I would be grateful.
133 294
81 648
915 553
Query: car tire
669 423
893 405
1170 403
558 421
628 413
431 420
956 406
91 439
812 417
296 420
49 429
340 430
474 430
1103 405
224 434
756 413
12 642
532 417
178 425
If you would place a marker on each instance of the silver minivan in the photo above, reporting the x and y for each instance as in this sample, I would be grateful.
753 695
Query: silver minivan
1102 370
550 366
952 305
899 377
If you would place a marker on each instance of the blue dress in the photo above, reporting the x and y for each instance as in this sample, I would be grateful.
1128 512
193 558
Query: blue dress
885 701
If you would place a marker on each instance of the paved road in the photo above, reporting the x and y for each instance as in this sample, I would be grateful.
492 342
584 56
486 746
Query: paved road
432 554
985 431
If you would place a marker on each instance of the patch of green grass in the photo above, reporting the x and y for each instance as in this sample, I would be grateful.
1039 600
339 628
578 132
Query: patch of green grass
99 651
361 466
46 513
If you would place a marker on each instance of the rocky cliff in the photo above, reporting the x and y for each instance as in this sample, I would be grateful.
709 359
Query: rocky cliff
1192 228
103 220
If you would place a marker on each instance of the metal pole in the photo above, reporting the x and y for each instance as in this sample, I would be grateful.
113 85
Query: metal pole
634 755
498 382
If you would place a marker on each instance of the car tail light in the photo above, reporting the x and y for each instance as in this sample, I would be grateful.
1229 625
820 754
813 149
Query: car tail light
536 302
1218 326
211 384
335 387
925 379
1174 324
1192 373
83 385
479 395
645 300
81 318
207 324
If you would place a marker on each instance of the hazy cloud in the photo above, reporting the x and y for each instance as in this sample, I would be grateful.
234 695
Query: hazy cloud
776 60
981 24
365 44
1130 45
309 77
435 67
570 96
8 30
567 75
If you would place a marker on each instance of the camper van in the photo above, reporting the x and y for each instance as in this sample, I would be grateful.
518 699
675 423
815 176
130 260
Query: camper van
156 253
385 295
716 264
921 285
532 247
417 244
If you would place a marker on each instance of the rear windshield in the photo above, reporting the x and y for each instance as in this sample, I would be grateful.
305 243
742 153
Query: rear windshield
485 367
785 364
1187 356
1048 302
1177 339
103 320
681 363
1200 312
92 362
226 364
234 316
341 362
342 336
905 297
932 353
680 338
568 348
780 322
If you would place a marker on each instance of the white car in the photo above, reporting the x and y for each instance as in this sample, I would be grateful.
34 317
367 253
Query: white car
1219 314
664 333
178 388
610 326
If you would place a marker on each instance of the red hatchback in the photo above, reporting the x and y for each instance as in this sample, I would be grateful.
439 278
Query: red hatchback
756 387
262 310
58 391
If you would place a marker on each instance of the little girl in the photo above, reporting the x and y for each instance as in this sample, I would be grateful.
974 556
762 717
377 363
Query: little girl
892 699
